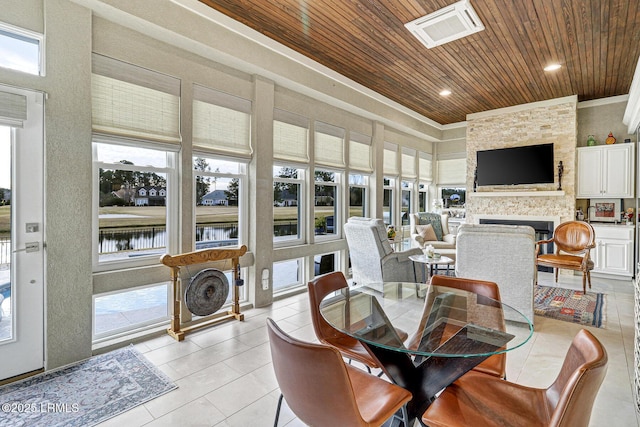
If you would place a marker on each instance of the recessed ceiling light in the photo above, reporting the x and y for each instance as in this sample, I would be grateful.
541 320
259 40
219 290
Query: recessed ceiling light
552 67
445 92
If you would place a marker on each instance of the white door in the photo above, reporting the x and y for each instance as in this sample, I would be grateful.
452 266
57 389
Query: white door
21 231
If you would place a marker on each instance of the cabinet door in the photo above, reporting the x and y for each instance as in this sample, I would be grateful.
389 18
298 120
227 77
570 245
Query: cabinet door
589 172
597 256
617 257
618 171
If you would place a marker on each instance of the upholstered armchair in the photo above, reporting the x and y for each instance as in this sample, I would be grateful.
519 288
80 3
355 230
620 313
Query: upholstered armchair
437 235
373 259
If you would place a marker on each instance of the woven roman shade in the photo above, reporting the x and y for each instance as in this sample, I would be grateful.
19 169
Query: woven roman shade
329 145
221 122
425 167
408 161
13 109
133 102
360 152
290 136
390 159
452 169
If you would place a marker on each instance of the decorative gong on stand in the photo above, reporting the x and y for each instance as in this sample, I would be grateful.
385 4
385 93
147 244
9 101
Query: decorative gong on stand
207 291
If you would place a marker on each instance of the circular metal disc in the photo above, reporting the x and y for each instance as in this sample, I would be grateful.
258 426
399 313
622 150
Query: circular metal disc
207 291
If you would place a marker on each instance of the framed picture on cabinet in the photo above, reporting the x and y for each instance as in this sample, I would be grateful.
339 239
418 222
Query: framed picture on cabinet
605 210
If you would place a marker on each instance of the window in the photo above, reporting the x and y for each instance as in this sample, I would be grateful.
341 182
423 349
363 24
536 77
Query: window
123 311
405 207
220 200
134 225
325 263
423 197
326 203
358 195
22 50
387 201
360 152
452 169
453 197
288 205
287 274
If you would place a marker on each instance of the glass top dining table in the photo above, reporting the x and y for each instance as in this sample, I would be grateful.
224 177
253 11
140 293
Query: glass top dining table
424 336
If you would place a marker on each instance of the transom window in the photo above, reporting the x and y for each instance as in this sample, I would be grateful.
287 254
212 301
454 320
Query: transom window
21 49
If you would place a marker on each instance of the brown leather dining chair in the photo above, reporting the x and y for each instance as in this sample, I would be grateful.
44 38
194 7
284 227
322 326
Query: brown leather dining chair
350 347
322 390
480 400
573 242
494 365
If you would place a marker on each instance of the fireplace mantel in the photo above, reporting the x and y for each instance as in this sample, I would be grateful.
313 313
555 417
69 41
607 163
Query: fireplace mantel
558 193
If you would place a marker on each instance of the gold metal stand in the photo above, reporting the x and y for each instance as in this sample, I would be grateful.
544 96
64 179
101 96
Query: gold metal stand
177 329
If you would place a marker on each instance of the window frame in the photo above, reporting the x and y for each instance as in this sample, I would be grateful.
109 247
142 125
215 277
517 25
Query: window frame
243 195
23 33
172 199
302 203
337 207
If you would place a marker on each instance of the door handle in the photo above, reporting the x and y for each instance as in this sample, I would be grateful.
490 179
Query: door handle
29 247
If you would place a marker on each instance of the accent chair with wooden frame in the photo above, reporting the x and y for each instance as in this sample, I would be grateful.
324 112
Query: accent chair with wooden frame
573 242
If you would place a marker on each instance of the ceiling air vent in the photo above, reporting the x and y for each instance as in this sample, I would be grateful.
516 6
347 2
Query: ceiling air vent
447 24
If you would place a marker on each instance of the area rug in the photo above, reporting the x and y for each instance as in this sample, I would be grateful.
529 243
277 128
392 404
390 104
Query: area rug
85 393
571 306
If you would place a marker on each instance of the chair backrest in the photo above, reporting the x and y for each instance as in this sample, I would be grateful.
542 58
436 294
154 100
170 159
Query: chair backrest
572 394
574 237
368 244
504 254
414 220
313 380
480 287
319 288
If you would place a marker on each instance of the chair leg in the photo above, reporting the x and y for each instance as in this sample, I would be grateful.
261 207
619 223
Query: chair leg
275 423
589 278
557 269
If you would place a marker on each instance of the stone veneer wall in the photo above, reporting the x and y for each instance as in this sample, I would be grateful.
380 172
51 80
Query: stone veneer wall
544 122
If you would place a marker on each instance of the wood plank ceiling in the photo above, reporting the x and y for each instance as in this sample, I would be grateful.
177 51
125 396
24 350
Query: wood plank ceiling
596 41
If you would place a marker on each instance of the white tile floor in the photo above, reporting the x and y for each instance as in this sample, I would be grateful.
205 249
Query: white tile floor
225 376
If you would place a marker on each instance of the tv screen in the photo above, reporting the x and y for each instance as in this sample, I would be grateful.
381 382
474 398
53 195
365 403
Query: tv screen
532 164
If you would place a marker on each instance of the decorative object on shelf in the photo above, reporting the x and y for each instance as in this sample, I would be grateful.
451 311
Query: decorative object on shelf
591 141
475 180
560 171
628 216
627 140
579 215
605 210
610 139
391 232
437 205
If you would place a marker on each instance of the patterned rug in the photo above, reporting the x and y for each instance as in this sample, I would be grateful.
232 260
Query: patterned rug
85 393
571 306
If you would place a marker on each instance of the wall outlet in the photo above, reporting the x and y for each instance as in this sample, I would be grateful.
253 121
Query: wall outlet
265 279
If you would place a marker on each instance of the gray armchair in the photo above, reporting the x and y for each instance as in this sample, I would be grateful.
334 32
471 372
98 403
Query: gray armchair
373 260
504 254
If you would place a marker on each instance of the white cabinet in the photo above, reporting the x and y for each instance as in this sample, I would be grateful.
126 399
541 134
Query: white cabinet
613 253
605 171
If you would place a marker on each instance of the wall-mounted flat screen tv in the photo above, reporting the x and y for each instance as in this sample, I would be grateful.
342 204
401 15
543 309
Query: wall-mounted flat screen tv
531 164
